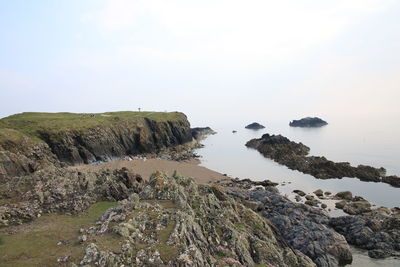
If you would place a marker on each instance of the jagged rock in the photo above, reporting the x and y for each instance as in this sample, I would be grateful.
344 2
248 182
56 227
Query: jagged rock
308 122
66 190
378 233
303 227
180 223
199 133
255 126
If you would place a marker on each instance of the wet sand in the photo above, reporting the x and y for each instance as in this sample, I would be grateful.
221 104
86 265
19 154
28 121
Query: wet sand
146 167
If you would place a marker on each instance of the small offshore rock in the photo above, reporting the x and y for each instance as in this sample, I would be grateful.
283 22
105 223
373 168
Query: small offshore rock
255 126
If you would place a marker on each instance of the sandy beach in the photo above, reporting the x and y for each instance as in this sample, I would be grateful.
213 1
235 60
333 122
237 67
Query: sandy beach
146 167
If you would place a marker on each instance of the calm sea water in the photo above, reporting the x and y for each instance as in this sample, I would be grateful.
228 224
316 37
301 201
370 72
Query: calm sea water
357 142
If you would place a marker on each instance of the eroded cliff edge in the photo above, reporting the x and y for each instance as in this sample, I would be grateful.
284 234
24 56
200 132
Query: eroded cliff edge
33 141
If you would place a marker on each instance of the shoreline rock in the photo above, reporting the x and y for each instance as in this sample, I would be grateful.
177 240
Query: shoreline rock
295 156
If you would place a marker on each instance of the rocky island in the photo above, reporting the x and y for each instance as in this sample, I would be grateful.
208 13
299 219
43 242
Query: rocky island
295 156
308 122
255 126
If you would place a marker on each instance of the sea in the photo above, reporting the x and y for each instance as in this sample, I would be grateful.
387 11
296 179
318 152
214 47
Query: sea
375 143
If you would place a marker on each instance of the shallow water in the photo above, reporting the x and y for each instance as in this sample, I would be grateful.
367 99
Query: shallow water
226 152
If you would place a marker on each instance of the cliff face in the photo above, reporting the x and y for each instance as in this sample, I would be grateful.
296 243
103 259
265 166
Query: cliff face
24 150
106 143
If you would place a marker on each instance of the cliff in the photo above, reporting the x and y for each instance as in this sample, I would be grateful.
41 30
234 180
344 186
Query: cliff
32 141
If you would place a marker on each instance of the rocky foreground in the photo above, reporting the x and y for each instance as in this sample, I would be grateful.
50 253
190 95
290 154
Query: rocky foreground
295 156
311 230
168 221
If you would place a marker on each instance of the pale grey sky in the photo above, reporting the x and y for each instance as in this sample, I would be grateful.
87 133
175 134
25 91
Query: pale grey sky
205 58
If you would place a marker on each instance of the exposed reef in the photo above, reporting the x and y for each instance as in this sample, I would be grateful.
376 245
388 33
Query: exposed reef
255 126
33 141
295 156
308 122
311 230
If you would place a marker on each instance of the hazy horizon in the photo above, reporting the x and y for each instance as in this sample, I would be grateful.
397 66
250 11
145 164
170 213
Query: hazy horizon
214 59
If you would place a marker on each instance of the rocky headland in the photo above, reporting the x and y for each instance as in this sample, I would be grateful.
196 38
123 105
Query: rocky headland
255 126
308 122
295 156
33 141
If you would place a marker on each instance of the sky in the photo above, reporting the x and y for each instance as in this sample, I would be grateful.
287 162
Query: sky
223 59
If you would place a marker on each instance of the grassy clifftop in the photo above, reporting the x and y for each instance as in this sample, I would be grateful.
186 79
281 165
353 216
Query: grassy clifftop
29 123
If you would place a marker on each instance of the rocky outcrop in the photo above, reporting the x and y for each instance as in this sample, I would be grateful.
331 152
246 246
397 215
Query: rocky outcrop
175 222
255 126
21 154
303 227
199 133
63 191
308 122
295 156
377 231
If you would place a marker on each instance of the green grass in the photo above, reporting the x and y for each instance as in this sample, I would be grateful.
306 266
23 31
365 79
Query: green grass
30 123
37 244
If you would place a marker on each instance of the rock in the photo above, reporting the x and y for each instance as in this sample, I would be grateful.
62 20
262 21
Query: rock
345 195
199 133
324 206
309 197
327 193
308 122
299 192
67 191
357 207
295 156
392 180
82 238
201 226
319 193
63 259
303 227
378 233
340 204
234 131
255 126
